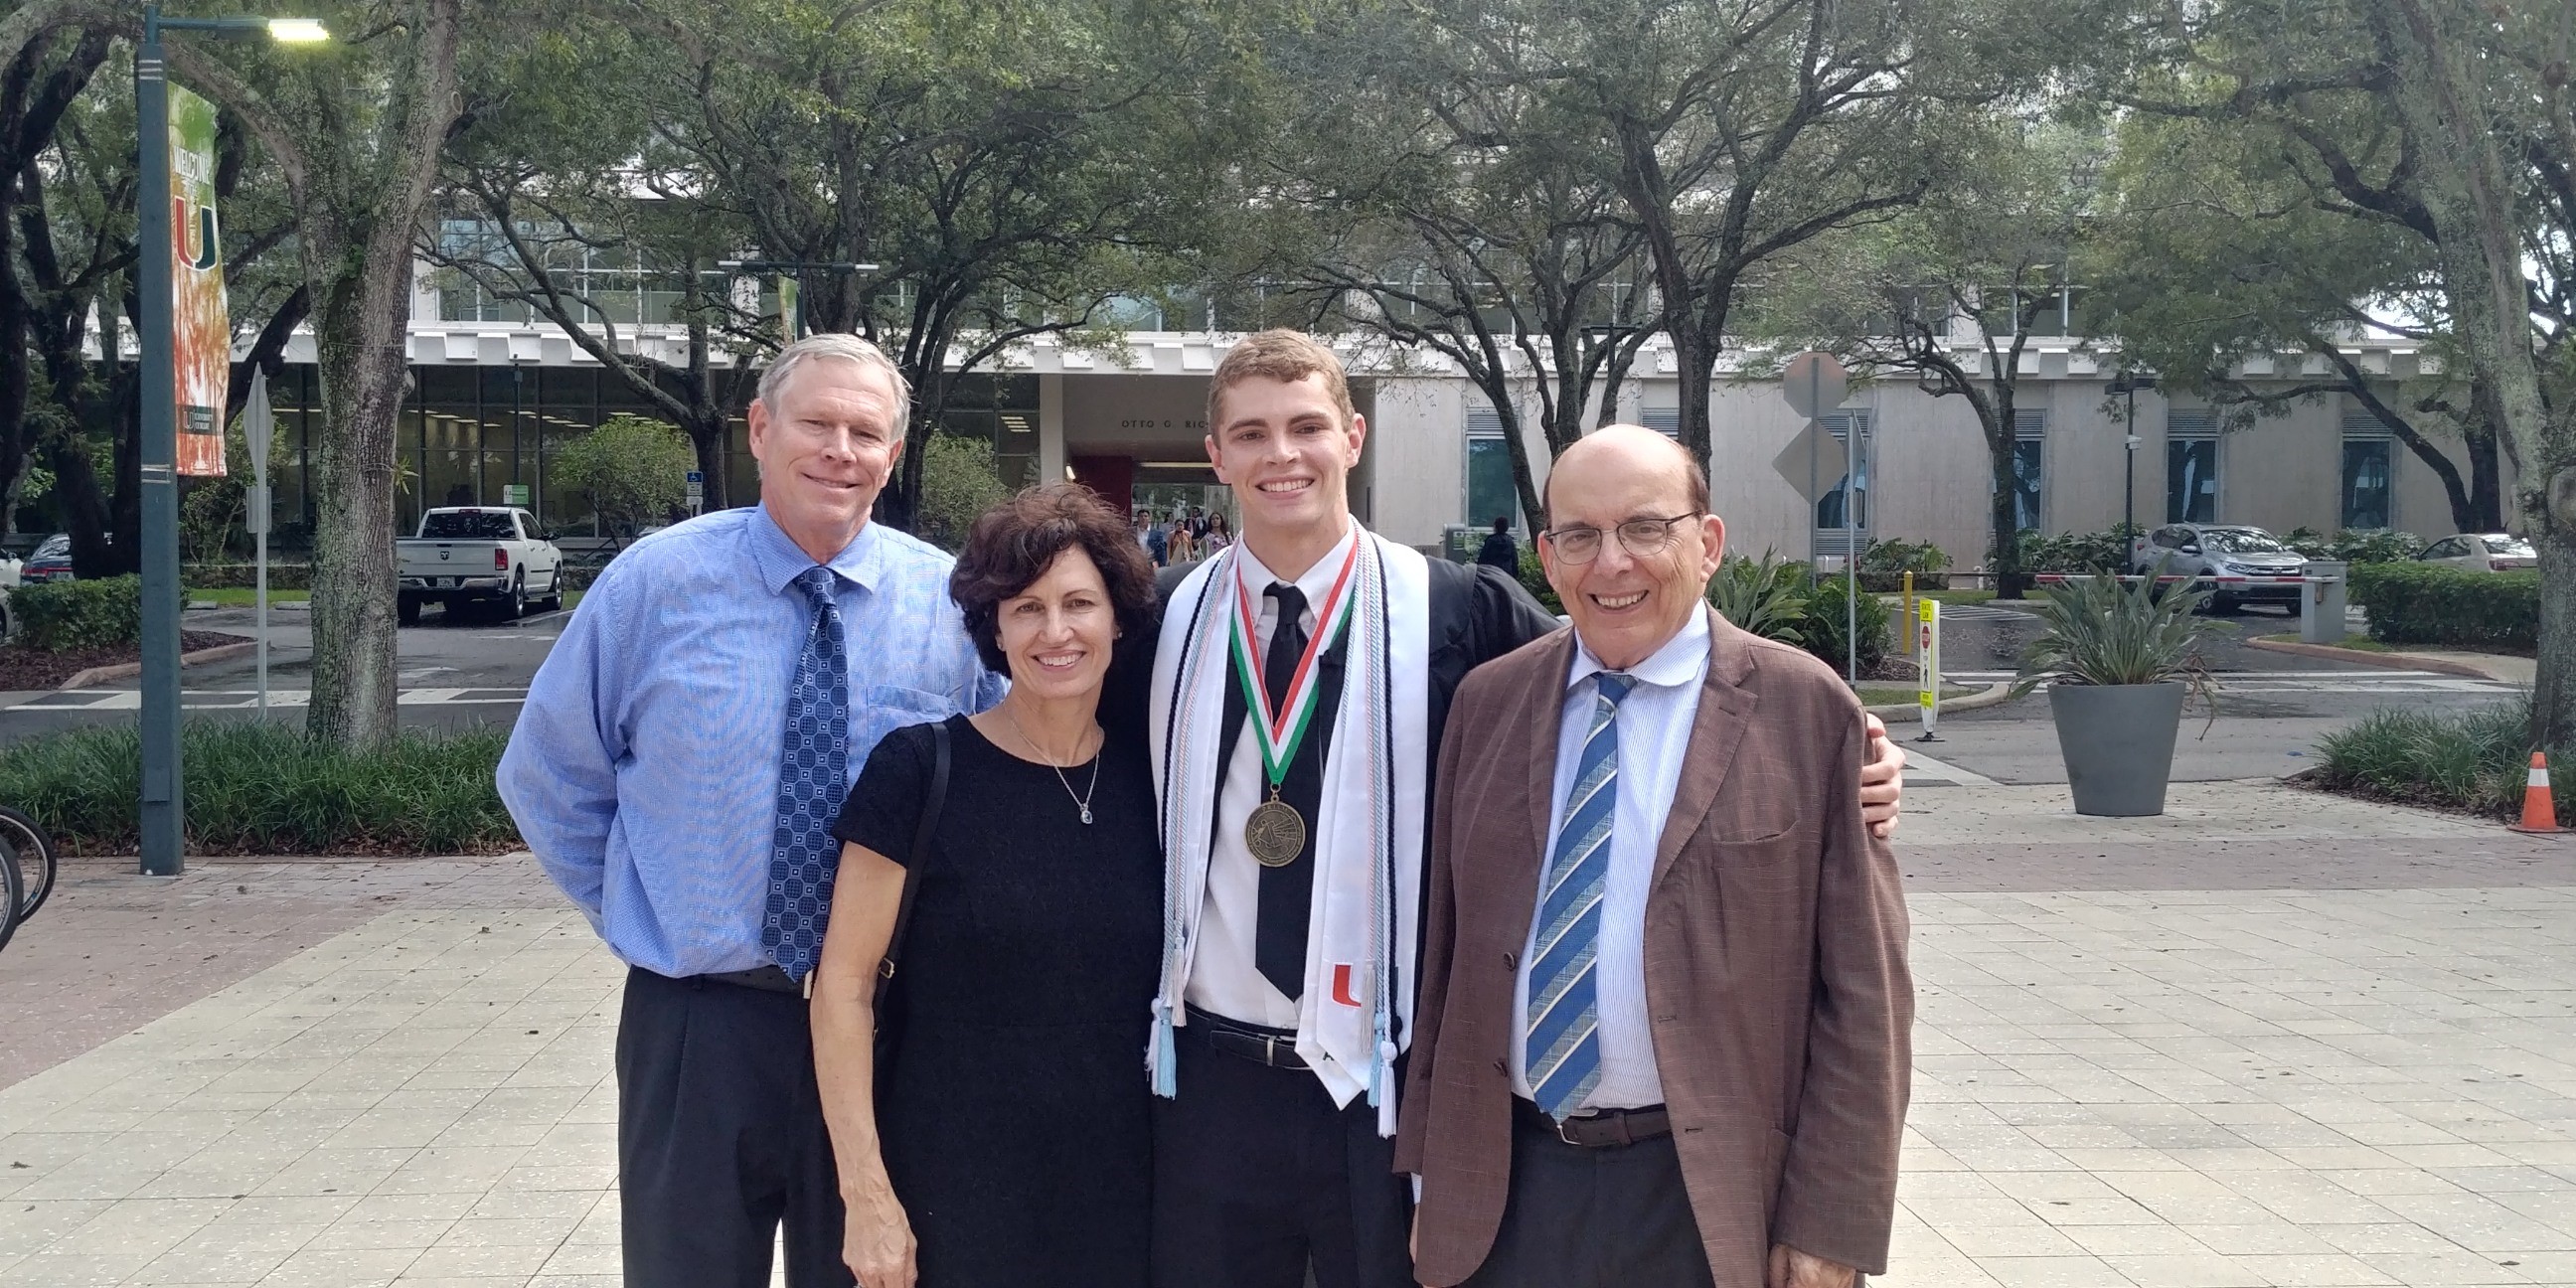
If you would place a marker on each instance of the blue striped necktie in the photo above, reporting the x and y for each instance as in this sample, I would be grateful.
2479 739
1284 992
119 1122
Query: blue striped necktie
813 776
1564 1051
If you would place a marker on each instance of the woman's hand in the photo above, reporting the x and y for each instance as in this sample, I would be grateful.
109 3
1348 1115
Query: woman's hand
876 1241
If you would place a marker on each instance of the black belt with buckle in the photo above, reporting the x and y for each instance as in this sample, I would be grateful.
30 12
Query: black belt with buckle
1601 1129
768 979
1274 1047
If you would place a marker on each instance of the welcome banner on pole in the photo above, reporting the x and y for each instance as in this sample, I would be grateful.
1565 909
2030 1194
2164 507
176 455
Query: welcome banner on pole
201 329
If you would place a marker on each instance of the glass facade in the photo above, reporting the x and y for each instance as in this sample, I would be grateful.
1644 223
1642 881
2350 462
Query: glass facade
2030 430
468 433
2368 497
1830 514
2191 480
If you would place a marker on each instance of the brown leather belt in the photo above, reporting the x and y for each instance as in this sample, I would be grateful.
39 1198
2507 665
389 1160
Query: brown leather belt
1602 1129
768 979
1274 1047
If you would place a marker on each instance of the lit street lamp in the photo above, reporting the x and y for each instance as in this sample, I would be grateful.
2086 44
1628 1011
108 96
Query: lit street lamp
164 817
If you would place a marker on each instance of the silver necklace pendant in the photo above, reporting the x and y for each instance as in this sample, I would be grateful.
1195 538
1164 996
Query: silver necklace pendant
1086 816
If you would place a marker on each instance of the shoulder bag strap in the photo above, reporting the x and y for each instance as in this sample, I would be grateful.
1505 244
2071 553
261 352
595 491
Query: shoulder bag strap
912 870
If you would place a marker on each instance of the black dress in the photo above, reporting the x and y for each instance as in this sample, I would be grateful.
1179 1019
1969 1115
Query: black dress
1014 1115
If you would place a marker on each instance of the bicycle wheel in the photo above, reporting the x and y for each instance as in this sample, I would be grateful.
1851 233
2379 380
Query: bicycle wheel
35 848
14 888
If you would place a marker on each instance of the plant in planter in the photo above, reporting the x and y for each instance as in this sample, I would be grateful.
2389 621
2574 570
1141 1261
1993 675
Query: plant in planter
2119 657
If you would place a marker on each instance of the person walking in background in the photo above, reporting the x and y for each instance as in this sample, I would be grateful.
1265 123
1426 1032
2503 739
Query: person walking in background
677 767
1008 1141
1692 1070
1183 547
1158 541
1219 536
1500 550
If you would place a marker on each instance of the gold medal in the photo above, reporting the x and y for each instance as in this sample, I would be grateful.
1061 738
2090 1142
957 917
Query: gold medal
1275 833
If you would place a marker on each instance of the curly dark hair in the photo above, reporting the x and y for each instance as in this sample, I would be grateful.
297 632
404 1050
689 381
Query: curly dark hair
1014 543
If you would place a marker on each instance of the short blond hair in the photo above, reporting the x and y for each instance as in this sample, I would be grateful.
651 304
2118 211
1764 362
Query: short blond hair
848 348
1281 355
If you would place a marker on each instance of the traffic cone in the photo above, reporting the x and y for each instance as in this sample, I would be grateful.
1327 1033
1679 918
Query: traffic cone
2539 814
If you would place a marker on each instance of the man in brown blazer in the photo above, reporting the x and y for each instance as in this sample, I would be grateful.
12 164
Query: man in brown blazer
1663 1037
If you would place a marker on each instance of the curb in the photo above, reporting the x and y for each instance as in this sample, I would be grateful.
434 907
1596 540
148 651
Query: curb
2441 665
1994 695
124 670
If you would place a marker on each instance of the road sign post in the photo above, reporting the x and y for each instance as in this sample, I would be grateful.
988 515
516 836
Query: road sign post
1927 646
1815 383
258 421
697 491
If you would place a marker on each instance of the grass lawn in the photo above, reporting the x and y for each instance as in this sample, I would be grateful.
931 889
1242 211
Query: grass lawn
1954 596
1880 695
242 597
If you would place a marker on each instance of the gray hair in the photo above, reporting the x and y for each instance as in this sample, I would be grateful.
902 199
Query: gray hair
848 348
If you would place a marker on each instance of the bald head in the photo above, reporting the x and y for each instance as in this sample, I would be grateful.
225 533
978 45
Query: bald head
1632 449
1631 543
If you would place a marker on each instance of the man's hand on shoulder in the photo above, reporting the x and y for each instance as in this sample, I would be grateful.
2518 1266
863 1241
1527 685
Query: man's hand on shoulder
1791 1268
1881 781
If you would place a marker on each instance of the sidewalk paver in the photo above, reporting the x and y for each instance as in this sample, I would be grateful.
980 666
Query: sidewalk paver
2131 1071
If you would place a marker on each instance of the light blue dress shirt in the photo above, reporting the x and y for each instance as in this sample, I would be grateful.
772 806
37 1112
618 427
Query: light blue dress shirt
644 768
1654 738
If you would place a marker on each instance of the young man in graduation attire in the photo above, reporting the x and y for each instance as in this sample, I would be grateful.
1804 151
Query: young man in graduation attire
1299 685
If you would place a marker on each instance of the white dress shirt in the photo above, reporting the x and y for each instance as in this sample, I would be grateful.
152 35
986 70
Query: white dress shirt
1654 736
1223 976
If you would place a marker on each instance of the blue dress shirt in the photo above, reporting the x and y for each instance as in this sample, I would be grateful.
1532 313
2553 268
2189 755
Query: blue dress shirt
644 768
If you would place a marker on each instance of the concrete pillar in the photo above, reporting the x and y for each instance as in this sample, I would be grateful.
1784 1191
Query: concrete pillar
1051 428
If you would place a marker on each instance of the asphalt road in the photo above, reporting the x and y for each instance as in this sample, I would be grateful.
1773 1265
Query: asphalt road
2272 706
2271 710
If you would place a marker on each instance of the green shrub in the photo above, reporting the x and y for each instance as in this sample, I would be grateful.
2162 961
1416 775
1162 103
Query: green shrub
242 576
1767 596
2474 760
1534 580
63 615
2422 603
2075 551
267 789
2355 545
1823 631
1883 564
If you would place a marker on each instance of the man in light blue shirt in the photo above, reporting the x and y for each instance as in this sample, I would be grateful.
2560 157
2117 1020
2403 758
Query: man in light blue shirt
676 768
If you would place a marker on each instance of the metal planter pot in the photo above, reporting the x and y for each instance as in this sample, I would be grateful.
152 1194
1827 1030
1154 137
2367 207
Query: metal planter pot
2118 741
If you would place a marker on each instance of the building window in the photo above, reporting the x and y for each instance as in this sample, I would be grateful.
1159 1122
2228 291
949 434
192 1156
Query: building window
2030 430
1831 515
1491 492
2191 467
2367 494
1666 421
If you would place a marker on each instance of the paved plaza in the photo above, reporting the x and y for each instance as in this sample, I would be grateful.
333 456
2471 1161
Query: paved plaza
2271 1038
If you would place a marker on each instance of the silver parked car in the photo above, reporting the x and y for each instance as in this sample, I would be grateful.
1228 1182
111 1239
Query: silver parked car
2482 552
2236 564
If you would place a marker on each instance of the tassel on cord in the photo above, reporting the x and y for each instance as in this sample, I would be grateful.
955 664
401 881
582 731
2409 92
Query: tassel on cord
1166 1078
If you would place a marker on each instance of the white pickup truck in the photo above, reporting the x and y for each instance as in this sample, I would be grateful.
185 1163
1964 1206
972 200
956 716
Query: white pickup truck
477 554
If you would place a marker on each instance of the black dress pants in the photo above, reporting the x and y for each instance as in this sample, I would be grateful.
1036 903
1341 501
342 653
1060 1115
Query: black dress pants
1257 1175
720 1138
1580 1217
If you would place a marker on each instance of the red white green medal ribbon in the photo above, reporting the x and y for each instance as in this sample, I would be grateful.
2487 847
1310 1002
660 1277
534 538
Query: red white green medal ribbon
1279 732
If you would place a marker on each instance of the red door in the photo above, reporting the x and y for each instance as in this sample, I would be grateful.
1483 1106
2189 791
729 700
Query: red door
1113 477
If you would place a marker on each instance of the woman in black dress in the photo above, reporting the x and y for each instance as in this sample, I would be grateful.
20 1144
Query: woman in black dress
1010 1141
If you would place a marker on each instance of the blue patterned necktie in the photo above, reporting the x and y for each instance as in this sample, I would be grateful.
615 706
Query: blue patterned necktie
813 776
1564 1052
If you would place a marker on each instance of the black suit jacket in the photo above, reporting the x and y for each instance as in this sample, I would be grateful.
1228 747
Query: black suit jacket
1477 614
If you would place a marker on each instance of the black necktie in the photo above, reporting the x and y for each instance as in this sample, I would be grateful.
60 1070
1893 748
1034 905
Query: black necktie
1279 928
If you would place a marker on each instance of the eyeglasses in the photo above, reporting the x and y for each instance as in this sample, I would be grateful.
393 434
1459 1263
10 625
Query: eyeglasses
1642 538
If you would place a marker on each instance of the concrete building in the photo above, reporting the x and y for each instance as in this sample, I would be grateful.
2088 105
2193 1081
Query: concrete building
494 398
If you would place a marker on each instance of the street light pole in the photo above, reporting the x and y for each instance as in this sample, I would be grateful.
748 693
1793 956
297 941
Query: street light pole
2128 383
164 816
